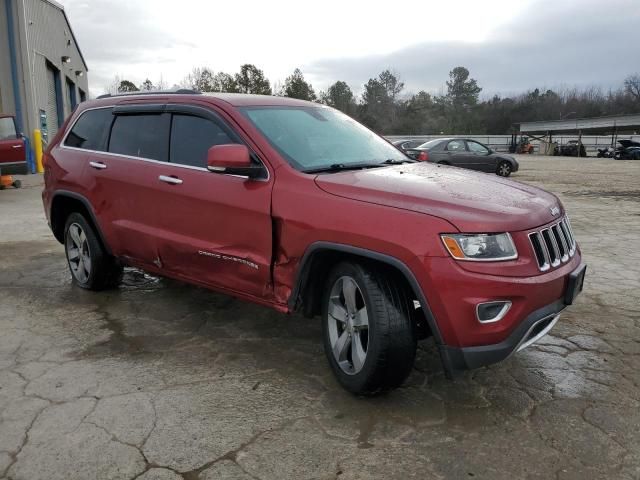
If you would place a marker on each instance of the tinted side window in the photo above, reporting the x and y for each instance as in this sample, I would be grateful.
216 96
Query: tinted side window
144 135
91 131
191 138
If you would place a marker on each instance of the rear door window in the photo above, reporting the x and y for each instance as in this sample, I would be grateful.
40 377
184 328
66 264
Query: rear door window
456 146
91 131
191 138
141 135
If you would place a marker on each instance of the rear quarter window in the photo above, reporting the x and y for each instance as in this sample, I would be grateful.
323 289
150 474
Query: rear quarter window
91 131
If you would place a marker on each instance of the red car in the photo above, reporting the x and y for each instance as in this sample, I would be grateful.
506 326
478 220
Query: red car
13 158
296 206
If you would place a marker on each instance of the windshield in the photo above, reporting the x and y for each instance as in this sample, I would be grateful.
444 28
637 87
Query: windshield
313 138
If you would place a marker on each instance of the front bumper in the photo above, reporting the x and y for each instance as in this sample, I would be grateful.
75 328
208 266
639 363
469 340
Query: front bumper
532 328
526 332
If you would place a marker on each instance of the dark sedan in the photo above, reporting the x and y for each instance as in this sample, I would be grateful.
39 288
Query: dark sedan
465 153
405 145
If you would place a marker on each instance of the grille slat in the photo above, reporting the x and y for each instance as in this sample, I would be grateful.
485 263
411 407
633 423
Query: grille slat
553 245
560 241
552 248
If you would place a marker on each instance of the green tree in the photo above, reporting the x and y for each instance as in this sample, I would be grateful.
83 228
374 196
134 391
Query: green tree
251 79
223 82
147 86
391 83
127 86
200 79
379 102
461 90
459 102
340 96
295 86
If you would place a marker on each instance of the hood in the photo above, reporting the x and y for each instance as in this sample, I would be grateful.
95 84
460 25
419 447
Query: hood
628 143
474 202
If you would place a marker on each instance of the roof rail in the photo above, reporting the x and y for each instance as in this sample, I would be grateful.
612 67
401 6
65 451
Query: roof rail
179 91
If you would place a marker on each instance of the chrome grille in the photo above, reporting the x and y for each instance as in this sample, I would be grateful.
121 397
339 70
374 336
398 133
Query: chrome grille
553 245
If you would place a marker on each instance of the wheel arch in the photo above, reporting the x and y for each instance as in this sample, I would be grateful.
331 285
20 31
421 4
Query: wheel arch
321 256
63 203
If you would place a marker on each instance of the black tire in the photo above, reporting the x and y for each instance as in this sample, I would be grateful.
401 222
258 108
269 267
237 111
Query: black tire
443 162
504 169
391 335
104 271
17 184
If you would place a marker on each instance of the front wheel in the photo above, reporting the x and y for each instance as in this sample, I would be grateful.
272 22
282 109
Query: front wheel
504 169
369 338
91 267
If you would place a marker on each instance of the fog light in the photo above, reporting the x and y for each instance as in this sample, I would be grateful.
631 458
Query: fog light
490 312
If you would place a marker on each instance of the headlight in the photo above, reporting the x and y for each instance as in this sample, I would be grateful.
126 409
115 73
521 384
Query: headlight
480 247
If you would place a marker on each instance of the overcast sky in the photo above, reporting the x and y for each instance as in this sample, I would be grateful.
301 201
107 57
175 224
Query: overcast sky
509 46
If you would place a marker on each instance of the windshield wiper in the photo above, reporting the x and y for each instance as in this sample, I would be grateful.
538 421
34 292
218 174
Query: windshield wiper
340 167
391 161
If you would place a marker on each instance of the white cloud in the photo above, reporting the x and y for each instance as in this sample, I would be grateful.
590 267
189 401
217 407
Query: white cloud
331 40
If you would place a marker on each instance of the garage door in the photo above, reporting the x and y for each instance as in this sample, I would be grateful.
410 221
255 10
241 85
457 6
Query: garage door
52 106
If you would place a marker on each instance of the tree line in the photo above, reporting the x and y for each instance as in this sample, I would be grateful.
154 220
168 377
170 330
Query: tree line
384 106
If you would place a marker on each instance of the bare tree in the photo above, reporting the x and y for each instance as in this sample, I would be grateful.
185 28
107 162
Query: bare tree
632 86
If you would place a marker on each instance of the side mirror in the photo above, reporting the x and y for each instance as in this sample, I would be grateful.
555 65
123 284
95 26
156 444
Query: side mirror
232 159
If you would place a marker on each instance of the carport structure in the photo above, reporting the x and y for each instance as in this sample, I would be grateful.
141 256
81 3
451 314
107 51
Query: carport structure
614 125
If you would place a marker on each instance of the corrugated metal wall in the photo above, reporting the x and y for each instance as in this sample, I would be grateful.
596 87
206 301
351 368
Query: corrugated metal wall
49 39
6 86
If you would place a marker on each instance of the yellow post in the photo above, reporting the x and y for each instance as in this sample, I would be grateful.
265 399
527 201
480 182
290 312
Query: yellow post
37 146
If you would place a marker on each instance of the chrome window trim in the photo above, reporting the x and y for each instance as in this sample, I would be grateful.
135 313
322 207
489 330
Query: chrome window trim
6 164
62 145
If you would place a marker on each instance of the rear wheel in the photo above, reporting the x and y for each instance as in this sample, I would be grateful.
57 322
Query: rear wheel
369 337
504 169
443 162
91 267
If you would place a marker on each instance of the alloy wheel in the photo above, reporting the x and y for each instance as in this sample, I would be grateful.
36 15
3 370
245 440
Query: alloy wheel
348 324
504 169
78 253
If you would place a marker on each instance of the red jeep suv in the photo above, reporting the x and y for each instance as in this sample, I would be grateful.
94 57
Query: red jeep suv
296 206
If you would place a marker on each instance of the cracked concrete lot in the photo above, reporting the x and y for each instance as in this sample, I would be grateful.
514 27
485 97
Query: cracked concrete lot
160 381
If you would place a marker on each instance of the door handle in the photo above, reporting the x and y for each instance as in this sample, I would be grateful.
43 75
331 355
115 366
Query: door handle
17 146
98 165
171 180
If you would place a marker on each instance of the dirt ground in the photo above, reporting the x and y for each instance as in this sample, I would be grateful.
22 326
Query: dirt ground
160 380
